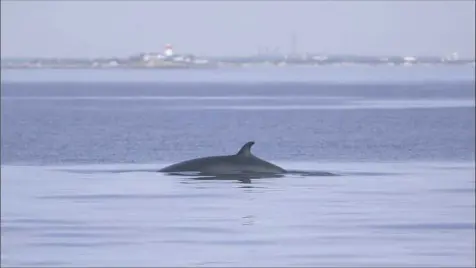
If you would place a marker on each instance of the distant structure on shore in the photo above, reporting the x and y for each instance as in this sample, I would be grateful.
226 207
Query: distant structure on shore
167 58
168 50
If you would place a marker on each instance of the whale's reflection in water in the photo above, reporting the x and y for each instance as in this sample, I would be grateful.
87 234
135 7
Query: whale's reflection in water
241 177
248 177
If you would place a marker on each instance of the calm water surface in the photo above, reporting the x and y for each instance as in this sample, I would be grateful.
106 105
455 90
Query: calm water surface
79 150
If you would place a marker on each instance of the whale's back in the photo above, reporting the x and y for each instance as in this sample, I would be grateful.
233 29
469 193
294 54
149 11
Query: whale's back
229 164
242 162
198 164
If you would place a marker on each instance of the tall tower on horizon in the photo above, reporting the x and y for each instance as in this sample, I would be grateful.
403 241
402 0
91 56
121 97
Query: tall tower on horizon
293 43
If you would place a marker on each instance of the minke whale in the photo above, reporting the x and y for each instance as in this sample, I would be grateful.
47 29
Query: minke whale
241 163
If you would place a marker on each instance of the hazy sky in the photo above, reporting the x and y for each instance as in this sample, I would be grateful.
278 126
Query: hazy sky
122 28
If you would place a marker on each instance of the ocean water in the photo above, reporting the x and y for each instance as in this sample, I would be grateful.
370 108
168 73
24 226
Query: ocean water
80 150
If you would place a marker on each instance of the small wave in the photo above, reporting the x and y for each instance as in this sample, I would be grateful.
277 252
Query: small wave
91 197
80 244
428 226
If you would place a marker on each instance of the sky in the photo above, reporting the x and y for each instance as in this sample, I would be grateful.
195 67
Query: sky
236 28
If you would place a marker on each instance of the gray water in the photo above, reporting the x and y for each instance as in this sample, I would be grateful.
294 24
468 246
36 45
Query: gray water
79 151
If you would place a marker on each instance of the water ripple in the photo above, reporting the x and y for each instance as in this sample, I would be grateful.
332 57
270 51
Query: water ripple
427 226
89 197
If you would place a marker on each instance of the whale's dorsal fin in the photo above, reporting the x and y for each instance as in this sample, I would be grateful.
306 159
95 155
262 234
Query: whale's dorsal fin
246 149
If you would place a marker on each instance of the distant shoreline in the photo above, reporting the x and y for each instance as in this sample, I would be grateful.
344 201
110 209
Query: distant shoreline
158 62
225 66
